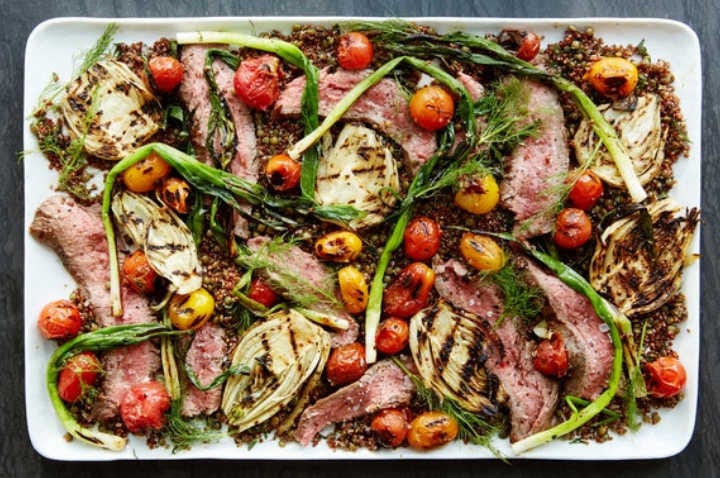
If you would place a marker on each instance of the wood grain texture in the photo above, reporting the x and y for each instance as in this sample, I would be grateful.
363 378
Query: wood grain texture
17 458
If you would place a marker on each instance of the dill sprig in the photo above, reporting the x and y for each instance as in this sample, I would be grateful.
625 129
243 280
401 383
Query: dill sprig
184 433
520 299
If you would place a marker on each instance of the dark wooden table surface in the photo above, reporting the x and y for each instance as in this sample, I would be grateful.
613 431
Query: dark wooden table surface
701 459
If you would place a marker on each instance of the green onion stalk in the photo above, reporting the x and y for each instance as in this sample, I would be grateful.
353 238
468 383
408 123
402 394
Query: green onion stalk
102 339
309 102
405 38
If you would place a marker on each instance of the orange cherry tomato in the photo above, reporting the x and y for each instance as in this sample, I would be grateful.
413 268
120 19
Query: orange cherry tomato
667 377
551 357
355 51
586 191
175 193
257 81
572 228
613 76
422 238
410 292
143 176
391 426
346 364
138 273
432 107
79 373
166 72
392 336
282 172
263 293
529 46
144 406
59 320
432 429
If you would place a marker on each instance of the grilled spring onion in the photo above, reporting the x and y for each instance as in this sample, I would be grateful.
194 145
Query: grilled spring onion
102 339
309 103
217 183
407 39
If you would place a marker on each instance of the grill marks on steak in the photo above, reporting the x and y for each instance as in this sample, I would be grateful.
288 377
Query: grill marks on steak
538 166
205 358
532 397
383 105
76 234
383 385
589 347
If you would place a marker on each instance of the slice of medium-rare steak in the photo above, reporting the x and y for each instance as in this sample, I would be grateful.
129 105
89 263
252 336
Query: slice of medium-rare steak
244 163
589 346
384 106
531 396
294 272
474 87
205 358
538 166
77 236
383 385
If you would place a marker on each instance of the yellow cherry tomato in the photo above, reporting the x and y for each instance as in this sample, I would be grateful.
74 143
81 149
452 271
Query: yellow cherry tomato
143 176
191 311
478 195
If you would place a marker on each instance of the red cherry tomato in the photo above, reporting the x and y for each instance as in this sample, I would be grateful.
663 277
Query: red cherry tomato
144 406
586 191
282 172
551 357
79 373
391 426
422 238
572 228
355 51
667 377
59 320
410 292
529 47
138 273
263 293
257 81
392 336
166 72
346 364
432 108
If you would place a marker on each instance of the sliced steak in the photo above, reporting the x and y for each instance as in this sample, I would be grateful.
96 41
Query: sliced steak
589 346
313 276
532 397
384 106
537 167
384 385
77 236
474 87
205 358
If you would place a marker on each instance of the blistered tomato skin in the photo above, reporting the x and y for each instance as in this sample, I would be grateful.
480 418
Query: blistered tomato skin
166 72
145 175
432 108
482 252
77 375
422 238
355 51
338 246
432 429
353 289
551 357
478 195
175 193
191 311
586 191
392 336
667 377
391 426
529 47
257 81
346 364
613 76
59 320
282 172
143 407
138 273
572 228
263 293
410 292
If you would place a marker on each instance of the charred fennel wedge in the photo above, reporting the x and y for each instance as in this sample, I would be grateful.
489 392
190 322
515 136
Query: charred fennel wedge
279 354
639 259
445 348
125 112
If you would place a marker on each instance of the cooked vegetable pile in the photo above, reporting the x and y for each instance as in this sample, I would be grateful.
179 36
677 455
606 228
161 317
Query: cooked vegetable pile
410 236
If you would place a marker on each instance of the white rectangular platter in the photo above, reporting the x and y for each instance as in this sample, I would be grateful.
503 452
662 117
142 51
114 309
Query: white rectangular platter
55 45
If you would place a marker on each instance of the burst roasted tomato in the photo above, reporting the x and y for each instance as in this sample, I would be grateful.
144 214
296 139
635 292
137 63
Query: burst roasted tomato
144 406
59 320
257 81
138 273
282 172
422 238
392 336
346 364
432 107
529 46
410 292
355 51
551 357
667 377
586 191
572 228
78 375
166 72
263 293
391 426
